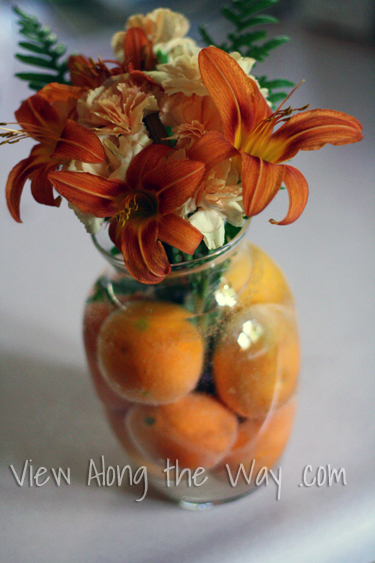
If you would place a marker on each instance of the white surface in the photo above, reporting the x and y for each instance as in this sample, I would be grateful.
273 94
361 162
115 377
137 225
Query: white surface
48 409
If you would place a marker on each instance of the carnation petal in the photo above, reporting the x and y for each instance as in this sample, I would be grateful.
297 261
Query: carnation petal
211 225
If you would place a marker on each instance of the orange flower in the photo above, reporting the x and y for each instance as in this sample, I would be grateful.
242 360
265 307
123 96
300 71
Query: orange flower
45 118
88 74
248 127
143 208
138 51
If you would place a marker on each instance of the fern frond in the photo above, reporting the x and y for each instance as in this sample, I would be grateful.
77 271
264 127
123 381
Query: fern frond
46 52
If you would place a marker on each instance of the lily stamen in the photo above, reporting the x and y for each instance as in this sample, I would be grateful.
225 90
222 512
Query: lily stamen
127 207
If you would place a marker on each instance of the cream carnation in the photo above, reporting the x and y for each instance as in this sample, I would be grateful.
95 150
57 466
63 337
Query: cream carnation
180 75
116 108
161 25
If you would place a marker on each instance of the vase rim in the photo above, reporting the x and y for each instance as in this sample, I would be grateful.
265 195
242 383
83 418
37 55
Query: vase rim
118 263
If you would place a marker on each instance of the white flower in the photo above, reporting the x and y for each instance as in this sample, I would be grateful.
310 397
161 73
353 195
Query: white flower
182 74
246 63
92 224
160 25
211 224
122 154
177 47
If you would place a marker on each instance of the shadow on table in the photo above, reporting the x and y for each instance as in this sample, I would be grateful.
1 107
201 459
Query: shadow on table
49 414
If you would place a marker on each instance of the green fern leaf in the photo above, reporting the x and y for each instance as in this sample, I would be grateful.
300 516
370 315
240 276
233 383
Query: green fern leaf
44 43
31 47
276 97
261 20
254 6
243 40
231 16
280 83
36 61
275 42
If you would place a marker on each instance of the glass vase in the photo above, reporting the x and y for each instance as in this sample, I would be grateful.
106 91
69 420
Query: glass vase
198 373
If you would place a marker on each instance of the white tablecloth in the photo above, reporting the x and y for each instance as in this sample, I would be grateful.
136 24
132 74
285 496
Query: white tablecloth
50 415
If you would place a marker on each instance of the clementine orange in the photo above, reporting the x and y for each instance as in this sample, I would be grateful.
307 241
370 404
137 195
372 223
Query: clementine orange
196 430
116 419
95 314
262 440
150 352
267 282
256 363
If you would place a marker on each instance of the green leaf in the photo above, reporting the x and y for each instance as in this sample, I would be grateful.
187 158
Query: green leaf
35 77
280 83
262 20
43 43
36 61
36 86
231 16
230 232
276 42
50 38
32 47
162 57
246 38
276 97
59 50
45 32
254 6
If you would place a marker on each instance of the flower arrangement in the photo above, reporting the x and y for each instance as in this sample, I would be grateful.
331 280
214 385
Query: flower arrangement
169 145
167 149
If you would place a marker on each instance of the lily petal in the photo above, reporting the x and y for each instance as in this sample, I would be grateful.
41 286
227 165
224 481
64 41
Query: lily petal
91 193
63 97
41 187
174 183
211 149
144 256
138 51
236 95
298 191
311 130
149 157
35 114
177 232
15 183
261 181
78 143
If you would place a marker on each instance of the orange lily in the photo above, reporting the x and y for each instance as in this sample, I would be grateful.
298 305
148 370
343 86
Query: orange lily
142 209
88 74
138 51
248 127
45 118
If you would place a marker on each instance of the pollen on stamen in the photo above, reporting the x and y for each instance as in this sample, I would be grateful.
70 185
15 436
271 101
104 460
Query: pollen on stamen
128 206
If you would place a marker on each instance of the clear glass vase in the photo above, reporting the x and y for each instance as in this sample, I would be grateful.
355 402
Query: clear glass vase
198 373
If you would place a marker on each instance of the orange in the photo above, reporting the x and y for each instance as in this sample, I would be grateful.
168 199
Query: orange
95 314
239 272
262 440
267 282
116 419
196 430
256 364
150 352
